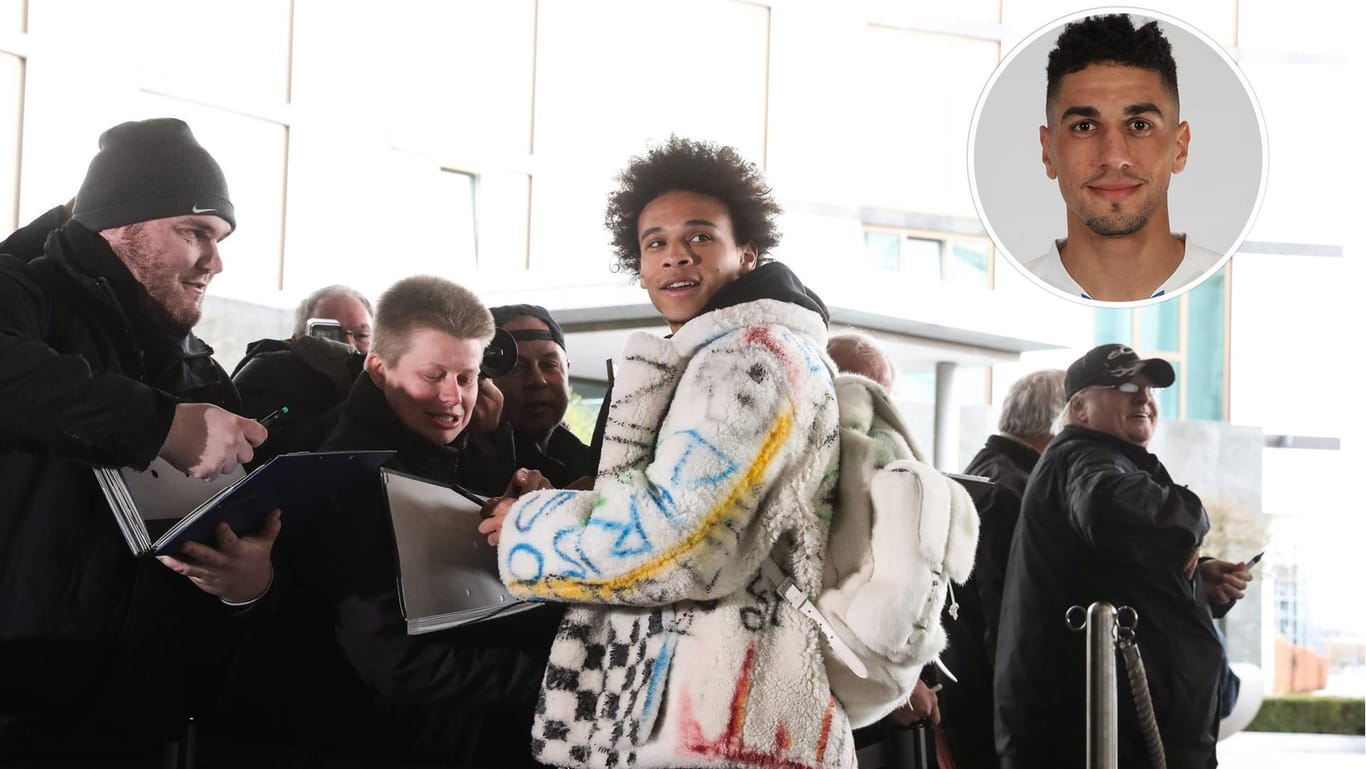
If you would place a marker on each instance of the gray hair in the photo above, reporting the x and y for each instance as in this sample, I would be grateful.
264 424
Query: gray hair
305 309
1033 403
858 353
1074 406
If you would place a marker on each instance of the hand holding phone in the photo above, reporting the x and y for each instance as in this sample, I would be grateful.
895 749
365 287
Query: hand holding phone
1226 581
326 328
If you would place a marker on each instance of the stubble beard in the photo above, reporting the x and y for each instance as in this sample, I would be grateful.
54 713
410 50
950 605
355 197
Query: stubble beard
1115 224
164 301
1112 221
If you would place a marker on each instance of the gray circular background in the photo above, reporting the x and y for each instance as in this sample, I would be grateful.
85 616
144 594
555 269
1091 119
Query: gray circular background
1213 200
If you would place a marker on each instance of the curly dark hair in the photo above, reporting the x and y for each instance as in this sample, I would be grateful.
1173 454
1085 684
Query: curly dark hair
1111 38
692 166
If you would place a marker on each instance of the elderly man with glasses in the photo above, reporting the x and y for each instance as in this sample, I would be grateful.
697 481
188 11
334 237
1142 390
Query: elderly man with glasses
1102 520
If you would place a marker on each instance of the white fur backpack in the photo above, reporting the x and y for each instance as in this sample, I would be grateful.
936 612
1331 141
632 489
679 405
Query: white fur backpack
902 530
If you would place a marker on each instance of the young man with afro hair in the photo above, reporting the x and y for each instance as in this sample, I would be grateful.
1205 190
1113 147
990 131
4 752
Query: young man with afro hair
721 449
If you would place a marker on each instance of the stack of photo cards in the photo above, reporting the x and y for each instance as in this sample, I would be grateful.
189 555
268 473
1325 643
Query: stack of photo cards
447 570
296 483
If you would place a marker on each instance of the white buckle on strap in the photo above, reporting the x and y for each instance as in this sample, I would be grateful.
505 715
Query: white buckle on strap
939 663
802 603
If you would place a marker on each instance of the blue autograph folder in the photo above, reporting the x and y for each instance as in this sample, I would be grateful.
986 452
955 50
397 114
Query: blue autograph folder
296 483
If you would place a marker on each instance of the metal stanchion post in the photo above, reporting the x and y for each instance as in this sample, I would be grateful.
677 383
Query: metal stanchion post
1102 693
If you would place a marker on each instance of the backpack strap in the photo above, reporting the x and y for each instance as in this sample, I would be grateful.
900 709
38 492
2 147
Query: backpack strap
802 603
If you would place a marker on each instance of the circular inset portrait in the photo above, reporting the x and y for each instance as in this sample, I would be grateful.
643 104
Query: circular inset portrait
1117 156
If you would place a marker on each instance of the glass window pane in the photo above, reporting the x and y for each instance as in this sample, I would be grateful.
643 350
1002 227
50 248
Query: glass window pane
582 415
456 244
1160 327
12 16
914 127
882 250
581 79
11 98
1276 26
1169 399
252 155
448 42
921 258
1302 148
917 386
501 206
202 49
968 263
1205 349
970 386
972 10
1114 326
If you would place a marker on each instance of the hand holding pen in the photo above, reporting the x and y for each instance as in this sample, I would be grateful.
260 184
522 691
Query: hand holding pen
206 441
270 419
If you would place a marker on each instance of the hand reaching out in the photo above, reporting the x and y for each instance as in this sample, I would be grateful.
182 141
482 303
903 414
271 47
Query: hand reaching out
488 407
238 570
922 706
496 509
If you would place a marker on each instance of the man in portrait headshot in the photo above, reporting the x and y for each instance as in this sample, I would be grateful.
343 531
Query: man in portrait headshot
1113 140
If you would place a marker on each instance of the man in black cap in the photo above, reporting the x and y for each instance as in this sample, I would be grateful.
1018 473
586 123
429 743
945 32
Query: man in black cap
102 653
1102 520
536 396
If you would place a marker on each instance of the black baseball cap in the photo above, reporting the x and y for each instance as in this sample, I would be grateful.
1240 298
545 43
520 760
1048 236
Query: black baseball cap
1112 364
507 312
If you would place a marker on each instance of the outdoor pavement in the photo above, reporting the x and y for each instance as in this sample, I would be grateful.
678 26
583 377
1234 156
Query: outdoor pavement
1264 750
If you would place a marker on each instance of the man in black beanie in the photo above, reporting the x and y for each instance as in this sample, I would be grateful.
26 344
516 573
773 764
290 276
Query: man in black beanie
536 396
103 654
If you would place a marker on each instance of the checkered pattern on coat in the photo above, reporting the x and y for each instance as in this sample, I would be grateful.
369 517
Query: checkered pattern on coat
602 688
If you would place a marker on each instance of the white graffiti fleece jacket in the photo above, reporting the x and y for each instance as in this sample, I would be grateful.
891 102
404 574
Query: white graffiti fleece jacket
722 446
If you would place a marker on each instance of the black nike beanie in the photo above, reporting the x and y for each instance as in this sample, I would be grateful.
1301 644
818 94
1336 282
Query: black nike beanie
150 169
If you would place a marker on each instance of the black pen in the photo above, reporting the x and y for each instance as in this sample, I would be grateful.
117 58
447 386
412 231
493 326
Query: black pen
269 419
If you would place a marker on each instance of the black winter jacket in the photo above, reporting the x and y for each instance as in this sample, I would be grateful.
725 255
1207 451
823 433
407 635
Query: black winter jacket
966 704
1008 464
564 461
309 375
1102 521
91 638
460 695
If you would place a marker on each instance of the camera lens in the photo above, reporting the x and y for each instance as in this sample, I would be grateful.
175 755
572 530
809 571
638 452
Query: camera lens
500 357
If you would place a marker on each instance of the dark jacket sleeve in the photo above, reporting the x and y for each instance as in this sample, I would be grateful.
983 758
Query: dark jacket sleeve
309 376
269 382
999 510
489 666
51 402
27 241
463 668
1128 516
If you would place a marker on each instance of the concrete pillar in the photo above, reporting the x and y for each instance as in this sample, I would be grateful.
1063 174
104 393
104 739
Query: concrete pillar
945 418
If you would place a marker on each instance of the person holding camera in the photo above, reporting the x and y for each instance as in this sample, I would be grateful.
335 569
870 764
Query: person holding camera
536 396
307 377
352 681
304 380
